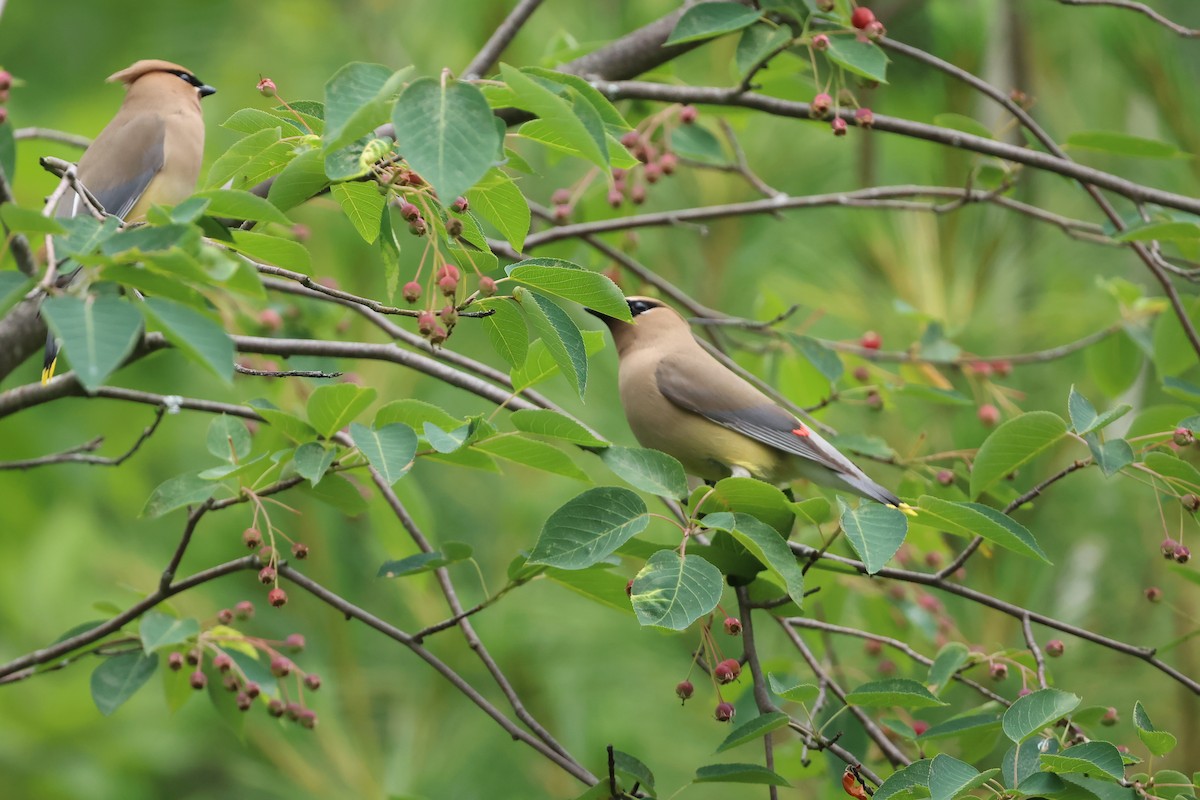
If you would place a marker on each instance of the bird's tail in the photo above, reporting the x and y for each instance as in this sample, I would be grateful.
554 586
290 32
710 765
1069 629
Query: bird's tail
51 358
870 489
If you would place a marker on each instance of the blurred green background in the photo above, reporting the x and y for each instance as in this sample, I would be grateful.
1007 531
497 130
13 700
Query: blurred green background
74 545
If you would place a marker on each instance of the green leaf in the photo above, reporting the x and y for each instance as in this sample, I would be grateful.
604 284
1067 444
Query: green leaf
1151 231
1111 456
357 99
1090 758
827 362
444 128
1030 714
177 492
949 777
974 519
959 727
589 528
753 729
958 122
1012 445
19 219
1083 413
416 564
312 460
414 413
228 438
757 44
333 407
648 470
498 200
748 496
119 677
340 493
1177 472
874 531
304 177
907 781
557 116
97 334
738 773
363 205
1157 742
596 583
697 143
767 545
813 511
572 282
633 769
949 660
892 692
560 335
673 592
272 249
445 441
1123 144
13 286
865 59
158 630
235 160
545 422
289 425
506 329
253 120
706 20
796 692
1173 352
390 449
241 205
196 335
532 453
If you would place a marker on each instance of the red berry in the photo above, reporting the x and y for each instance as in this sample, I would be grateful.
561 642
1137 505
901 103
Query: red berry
631 139
198 680
294 642
560 197
1003 367
629 588
251 538
873 647
1054 648
460 204
615 197
410 212
684 690
929 603
299 550
727 671
724 712
1154 594
982 368
668 162
225 616
487 286
1182 554
864 117
988 414
266 87
244 701
871 340
425 322
418 227
820 43
820 105
838 125
862 17
887 667
277 597
266 574
733 626
175 661
919 726
312 681
281 667
687 115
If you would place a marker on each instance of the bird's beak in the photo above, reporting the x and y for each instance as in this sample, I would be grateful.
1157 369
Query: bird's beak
205 90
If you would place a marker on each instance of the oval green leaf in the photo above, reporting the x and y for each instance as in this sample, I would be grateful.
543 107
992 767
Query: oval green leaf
874 531
118 677
1029 714
753 729
893 692
389 449
96 334
974 519
673 592
590 527
648 470
1014 444
569 281
706 20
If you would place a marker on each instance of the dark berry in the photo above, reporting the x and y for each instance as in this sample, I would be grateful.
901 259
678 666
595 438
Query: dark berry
1182 554
1054 648
733 626
308 719
684 690
688 114
454 228
281 667
820 105
266 574
244 701
417 227
299 550
222 662
175 661
225 616
727 671
198 680
251 538
277 597
999 672
1154 594
724 712
312 681
275 707
252 689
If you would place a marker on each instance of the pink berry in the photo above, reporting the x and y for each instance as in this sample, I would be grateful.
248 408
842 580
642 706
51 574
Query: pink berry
1182 554
560 197
727 671
862 374
1003 368
299 551
637 195
1024 692
562 213
838 125
687 115
266 574
724 712
448 286
410 212
653 172
460 204
864 117
820 105
1183 437
198 680
294 642
222 662
873 648
1110 717
1054 648
875 29
244 609
438 335
631 139
733 626
275 707
988 414
281 667
251 538
487 286
253 689
312 681
919 726
1167 548
270 319
449 314
175 661
668 162
277 597
615 197
999 672
6 79
225 616
266 87
425 322
945 477
862 17
820 43
244 701
1154 594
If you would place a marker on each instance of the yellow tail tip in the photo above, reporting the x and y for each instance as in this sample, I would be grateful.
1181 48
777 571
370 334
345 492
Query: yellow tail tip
905 508
48 372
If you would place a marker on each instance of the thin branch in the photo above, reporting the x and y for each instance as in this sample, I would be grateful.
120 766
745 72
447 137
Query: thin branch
81 454
505 32
51 135
1036 651
1140 8
351 611
289 373
762 697
1035 357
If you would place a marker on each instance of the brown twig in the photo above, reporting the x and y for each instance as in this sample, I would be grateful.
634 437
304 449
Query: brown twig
1140 8
505 32
1035 651
81 454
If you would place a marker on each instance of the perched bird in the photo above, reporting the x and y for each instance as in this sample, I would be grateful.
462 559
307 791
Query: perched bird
682 401
149 154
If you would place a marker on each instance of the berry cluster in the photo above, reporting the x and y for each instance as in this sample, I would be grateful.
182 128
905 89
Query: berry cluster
649 144
213 647
722 671
6 82
268 554
864 27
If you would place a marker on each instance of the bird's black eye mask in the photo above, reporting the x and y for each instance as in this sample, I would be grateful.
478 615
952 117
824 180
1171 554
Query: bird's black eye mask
641 306
204 89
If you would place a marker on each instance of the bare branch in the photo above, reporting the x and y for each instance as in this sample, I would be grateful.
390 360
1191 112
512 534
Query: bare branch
505 32
82 454
51 135
1036 651
1140 8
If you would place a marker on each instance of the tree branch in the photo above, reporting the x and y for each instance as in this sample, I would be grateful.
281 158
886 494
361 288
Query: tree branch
505 32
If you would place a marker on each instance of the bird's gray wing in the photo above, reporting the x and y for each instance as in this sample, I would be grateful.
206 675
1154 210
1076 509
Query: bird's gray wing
118 175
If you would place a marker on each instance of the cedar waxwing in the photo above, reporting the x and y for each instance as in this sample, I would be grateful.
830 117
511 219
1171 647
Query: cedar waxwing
149 154
682 401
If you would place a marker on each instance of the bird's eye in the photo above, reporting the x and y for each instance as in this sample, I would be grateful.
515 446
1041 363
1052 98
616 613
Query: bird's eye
188 78
640 306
